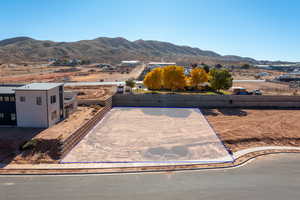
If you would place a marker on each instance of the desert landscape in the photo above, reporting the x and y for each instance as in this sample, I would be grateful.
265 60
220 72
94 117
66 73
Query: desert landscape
38 72
243 128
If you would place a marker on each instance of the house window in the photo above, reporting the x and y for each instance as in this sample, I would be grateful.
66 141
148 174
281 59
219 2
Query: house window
38 100
53 115
1 115
6 99
12 99
13 116
53 99
22 99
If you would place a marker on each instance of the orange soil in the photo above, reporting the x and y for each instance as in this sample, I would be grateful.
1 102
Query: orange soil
92 92
241 129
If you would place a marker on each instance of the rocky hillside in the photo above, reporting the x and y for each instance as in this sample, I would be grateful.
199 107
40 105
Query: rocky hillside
110 50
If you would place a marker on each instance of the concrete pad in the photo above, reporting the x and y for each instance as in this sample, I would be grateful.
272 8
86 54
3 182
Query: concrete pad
151 135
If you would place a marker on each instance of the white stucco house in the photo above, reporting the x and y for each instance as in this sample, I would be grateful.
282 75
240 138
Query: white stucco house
38 105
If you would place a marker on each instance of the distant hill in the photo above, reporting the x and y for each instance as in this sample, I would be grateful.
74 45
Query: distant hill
108 50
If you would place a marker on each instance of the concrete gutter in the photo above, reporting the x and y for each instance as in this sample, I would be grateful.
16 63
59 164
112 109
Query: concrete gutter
241 153
241 158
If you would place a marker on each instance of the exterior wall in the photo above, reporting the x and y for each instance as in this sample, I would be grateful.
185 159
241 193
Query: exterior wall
29 114
53 107
70 102
206 101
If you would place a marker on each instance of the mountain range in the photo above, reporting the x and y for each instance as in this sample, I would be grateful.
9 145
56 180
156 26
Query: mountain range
109 50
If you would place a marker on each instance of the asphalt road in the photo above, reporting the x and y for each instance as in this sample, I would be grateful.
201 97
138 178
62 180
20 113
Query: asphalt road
272 177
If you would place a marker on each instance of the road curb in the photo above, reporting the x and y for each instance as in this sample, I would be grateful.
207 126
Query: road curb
240 161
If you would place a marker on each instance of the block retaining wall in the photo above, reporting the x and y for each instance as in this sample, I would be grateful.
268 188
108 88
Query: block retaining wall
205 101
91 102
69 143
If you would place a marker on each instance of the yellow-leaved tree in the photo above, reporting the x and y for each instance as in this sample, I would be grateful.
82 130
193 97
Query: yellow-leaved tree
153 79
198 76
173 77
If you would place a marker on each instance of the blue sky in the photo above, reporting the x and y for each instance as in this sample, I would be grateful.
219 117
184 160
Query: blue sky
262 29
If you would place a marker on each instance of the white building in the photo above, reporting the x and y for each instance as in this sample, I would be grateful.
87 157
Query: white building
39 104
130 63
153 65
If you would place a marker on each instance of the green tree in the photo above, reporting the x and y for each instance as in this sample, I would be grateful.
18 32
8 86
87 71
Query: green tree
218 66
130 83
220 79
246 66
206 68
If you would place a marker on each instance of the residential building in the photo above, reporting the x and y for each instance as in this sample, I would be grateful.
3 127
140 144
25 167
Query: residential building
7 105
34 105
153 65
130 63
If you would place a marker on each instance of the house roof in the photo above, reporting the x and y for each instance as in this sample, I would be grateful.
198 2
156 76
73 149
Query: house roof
130 61
38 86
9 88
161 63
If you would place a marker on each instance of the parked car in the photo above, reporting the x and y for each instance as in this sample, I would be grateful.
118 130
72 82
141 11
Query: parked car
243 91
240 91
120 89
256 92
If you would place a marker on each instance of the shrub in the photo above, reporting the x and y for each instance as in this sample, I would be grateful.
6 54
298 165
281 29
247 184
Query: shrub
31 144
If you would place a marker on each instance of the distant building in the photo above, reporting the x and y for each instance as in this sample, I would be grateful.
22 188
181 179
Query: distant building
153 65
35 105
295 76
263 74
130 63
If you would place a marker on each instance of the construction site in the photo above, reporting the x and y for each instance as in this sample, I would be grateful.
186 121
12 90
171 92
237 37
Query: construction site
109 127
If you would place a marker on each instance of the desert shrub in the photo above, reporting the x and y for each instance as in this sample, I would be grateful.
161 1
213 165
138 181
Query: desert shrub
31 144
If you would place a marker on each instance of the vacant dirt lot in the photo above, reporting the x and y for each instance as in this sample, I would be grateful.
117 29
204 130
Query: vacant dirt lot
92 92
43 73
240 129
150 134
267 88
109 76
249 74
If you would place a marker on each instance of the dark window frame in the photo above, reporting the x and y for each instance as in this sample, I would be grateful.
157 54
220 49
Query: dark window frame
53 99
39 101
22 98
13 116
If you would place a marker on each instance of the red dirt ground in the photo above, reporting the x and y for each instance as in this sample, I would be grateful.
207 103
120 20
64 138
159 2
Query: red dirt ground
241 129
